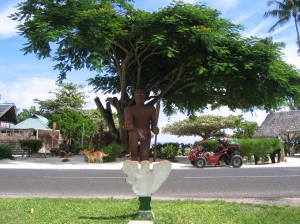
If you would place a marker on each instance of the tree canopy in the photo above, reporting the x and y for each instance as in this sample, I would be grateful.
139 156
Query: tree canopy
26 113
186 55
65 108
208 124
66 98
203 125
245 129
74 126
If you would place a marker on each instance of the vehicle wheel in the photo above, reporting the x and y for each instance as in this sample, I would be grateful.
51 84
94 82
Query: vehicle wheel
236 161
192 162
200 162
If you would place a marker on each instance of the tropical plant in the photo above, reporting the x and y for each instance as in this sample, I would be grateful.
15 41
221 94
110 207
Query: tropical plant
285 10
113 150
167 151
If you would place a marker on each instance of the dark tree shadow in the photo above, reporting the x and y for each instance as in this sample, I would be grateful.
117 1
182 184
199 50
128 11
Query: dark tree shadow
117 217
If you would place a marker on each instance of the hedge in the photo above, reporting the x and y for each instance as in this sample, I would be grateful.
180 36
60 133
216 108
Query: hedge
258 147
31 146
6 151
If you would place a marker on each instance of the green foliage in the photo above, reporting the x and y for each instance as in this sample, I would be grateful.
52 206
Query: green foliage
167 151
6 151
73 125
75 148
203 125
66 109
31 146
210 145
258 147
114 150
245 129
67 98
25 113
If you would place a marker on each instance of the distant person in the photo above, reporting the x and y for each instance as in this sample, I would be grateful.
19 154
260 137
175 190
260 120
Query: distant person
139 121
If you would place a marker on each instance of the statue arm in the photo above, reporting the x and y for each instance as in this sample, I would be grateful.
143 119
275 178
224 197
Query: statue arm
154 124
128 124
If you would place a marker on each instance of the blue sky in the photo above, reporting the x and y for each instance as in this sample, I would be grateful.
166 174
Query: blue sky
24 78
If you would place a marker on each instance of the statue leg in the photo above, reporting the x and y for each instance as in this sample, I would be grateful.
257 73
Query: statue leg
133 144
145 149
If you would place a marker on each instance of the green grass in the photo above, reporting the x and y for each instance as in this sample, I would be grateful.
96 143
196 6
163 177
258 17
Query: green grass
61 210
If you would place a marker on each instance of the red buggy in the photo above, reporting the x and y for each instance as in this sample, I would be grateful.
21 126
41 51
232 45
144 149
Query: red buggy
228 153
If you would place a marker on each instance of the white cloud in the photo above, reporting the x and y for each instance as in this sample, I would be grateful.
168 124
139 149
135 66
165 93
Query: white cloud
7 26
291 55
261 27
22 92
222 5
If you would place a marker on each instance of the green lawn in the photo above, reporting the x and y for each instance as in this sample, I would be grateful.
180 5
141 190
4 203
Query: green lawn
61 210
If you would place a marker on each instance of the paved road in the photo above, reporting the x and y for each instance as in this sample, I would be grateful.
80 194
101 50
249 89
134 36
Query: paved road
210 183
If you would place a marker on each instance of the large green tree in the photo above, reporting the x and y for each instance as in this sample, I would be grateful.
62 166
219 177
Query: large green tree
285 10
184 54
207 124
65 108
203 125
68 97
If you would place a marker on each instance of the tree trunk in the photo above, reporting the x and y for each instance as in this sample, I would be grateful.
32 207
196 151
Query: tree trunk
108 117
295 12
123 133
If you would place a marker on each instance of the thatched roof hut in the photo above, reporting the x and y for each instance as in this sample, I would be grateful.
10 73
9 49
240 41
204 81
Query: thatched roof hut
279 124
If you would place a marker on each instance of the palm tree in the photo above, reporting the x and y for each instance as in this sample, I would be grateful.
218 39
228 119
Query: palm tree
284 11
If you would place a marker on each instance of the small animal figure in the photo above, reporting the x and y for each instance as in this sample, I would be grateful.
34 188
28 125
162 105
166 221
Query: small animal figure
92 155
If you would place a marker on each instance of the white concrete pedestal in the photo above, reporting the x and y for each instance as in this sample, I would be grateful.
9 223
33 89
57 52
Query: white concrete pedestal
145 181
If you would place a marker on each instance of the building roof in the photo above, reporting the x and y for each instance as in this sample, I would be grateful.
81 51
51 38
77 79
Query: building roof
35 122
279 124
8 112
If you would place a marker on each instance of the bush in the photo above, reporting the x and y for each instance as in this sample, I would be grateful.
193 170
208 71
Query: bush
167 151
31 146
75 148
114 150
210 145
259 148
6 151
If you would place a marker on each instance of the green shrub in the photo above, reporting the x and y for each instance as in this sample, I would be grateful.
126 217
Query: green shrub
167 151
31 146
6 151
114 150
258 147
210 145
75 148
